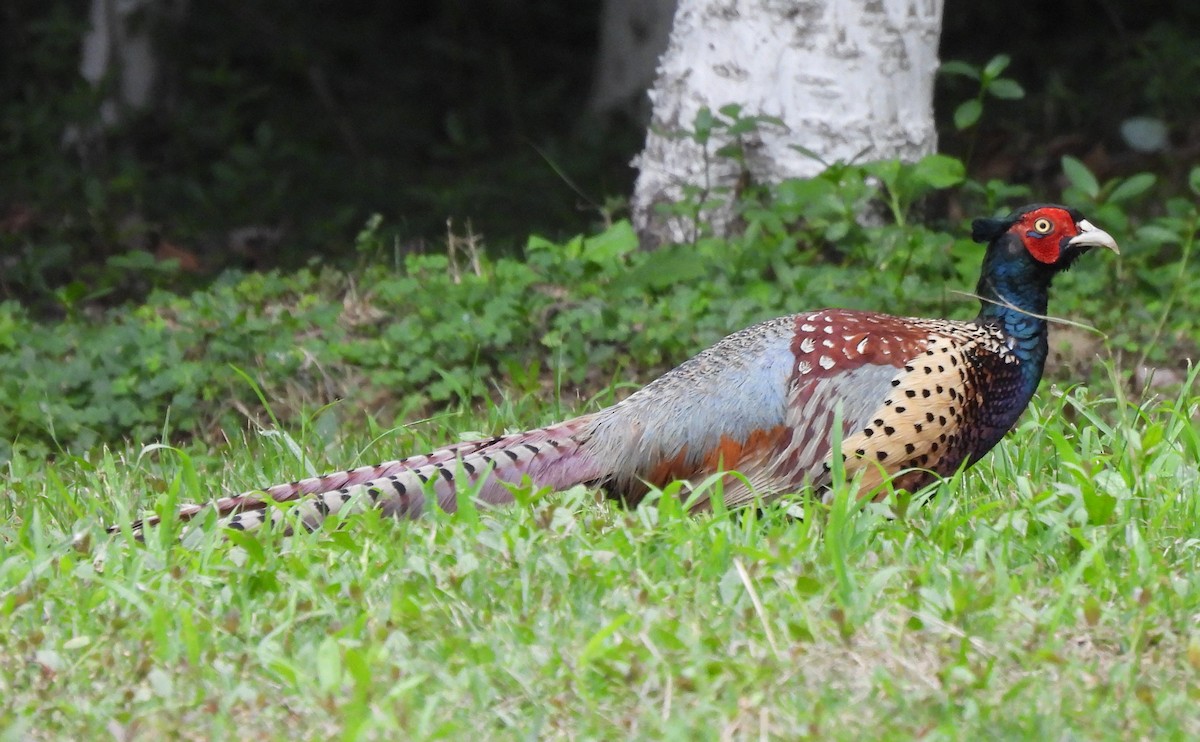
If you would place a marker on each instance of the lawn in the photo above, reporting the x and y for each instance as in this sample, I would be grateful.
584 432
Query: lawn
1052 592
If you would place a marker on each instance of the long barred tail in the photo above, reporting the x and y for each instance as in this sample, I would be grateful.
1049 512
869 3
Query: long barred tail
556 456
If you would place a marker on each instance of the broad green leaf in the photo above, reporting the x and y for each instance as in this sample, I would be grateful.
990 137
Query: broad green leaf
536 242
1080 176
888 171
804 191
967 114
748 124
667 266
1006 88
995 66
955 67
1156 235
1194 180
939 171
617 240
1132 187
731 111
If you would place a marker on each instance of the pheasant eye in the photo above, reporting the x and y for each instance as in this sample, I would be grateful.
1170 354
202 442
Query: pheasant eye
1042 226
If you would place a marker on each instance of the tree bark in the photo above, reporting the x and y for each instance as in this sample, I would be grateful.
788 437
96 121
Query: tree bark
849 79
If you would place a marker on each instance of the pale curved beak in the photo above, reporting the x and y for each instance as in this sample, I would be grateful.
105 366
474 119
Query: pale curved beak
1093 236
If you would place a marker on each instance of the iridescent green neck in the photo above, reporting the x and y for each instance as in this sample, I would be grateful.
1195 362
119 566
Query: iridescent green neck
1013 292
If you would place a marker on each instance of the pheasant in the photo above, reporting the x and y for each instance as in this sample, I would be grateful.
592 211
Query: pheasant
917 399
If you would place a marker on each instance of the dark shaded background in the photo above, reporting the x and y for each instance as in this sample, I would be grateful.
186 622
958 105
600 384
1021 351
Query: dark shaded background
281 126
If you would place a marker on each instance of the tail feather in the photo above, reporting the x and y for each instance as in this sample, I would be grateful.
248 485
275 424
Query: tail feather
556 456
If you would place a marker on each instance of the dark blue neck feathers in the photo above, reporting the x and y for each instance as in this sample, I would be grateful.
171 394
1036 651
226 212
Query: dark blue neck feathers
1013 289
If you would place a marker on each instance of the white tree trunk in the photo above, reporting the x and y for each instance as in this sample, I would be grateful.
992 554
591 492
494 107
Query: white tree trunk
850 79
633 34
119 50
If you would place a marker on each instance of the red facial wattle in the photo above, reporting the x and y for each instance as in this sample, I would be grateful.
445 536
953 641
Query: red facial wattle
1044 233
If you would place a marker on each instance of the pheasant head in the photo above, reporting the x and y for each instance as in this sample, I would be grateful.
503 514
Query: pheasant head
1026 249
1041 235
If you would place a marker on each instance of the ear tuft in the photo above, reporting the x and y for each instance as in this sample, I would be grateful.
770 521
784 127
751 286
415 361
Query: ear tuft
986 230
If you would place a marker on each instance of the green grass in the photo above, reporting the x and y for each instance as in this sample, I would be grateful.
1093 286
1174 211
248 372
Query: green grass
1051 592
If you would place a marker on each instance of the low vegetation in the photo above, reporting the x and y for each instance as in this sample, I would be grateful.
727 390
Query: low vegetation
1051 591
405 335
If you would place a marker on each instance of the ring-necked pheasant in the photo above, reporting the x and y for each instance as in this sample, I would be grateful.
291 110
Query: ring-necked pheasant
918 398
